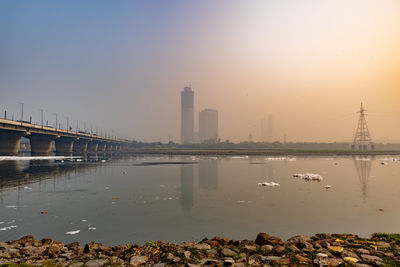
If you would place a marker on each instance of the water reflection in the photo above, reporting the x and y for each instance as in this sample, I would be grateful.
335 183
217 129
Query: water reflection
187 171
208 174
363 166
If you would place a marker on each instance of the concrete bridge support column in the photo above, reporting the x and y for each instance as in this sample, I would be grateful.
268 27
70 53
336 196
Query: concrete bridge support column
101 147
80 146
64 146
10 142
109 147
41 144
92 147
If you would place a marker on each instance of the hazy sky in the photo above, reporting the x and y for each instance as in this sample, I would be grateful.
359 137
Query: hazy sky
122 64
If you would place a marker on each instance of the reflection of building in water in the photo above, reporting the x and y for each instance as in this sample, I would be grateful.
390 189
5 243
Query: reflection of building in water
208 174
187 186
363 167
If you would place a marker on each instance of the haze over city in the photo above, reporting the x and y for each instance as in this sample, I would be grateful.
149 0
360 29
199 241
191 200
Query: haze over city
122 65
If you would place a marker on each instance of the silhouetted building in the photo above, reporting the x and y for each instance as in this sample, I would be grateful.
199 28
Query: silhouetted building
208 126
187 99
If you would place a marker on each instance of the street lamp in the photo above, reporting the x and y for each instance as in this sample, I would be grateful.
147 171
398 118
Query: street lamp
56 120
41 116
22 111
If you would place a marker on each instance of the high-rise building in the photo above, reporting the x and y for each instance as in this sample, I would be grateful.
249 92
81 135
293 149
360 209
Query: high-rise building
208 126
187 97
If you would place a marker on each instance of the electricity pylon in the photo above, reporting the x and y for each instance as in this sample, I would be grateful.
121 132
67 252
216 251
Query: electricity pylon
362 137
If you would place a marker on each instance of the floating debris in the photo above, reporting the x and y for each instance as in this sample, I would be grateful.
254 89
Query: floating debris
271 184
72 232
328 186
382 210
83 220
12 207
92 228
103 160
27 188
8 227
309 176
107 187
44 212
384 163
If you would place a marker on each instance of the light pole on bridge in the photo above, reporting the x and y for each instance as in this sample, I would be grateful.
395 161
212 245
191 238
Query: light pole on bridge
41 116
56 120
22 111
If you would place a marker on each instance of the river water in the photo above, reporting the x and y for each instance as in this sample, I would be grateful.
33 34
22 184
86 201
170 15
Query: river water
135 199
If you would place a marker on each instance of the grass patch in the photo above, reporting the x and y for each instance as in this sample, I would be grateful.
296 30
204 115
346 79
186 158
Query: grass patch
387 237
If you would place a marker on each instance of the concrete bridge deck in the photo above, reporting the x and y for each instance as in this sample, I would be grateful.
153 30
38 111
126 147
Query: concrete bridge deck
42 138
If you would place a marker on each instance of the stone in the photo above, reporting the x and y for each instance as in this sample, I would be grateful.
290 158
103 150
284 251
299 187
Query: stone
158 265
229 262
239 264
96 263
349 253
370 258
267 248
350 260
254 260
280 250
75 248
299 238
228 252
361 265
328 261
202 246
208 261
249 248
362 251
92 248
242 257
187 254
211 252
170 256
382 245
301 259
138 260
52 251
265 239
176 259
76 264
389 254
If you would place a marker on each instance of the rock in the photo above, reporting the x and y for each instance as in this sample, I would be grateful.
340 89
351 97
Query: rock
52 251
280 250
229 262
76 264
211 252
26 240
351 254
187 254
265 239
389 254
92 248
75 248
202 246
228 252
208 261
138 260
242 257
336 249
170 256
293 248
362 265
362 251
328 261
46 241
299 238
158 265
191 265
382 245
350 260
67 255
266 248
254 260
176 259
371 259
96 263
239 264
302 260
249 248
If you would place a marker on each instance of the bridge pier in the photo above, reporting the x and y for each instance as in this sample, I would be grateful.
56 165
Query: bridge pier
101 147
10 142
92 147
64 146
109 147
80 146
41 144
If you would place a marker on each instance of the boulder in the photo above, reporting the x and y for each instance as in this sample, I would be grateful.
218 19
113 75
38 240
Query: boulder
96 263
265 239
228 252
138 260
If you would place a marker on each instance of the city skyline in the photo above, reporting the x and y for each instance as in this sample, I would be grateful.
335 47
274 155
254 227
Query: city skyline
120 65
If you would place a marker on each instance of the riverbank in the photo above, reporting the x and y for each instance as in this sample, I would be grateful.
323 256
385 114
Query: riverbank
259 152
265 250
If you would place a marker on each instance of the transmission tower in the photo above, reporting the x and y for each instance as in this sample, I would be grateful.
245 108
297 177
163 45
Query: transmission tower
362 138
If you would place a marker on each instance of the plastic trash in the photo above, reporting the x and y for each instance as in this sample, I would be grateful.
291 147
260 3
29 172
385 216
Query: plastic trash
384 163
83 220
92 228
107 187
103 160
271 184
44 212
309 176
328 186
72 232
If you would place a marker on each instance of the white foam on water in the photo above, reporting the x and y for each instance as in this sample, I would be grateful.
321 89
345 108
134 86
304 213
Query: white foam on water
8 227
35 158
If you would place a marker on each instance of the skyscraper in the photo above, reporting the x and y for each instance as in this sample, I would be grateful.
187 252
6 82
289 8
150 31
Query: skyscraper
208 126
187 96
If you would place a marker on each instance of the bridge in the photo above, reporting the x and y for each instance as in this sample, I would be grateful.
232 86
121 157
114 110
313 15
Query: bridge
42 138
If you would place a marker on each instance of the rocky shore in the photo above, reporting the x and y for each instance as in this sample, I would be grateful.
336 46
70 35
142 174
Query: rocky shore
266 250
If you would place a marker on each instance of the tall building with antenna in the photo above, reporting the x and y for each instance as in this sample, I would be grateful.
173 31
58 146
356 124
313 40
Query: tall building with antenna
187 114
362 137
